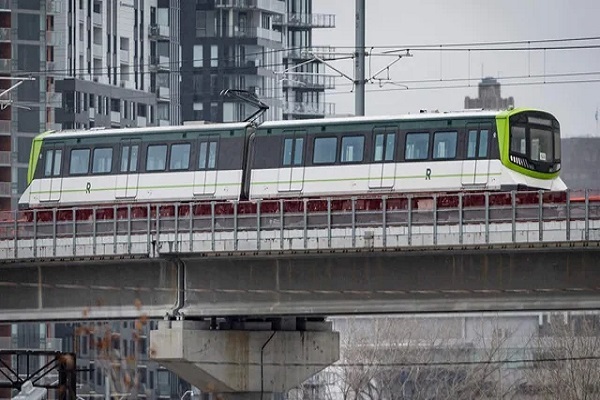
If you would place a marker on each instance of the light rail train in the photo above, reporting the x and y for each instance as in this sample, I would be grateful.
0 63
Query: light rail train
358 156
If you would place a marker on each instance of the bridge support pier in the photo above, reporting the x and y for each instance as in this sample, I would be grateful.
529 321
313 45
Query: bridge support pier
245 360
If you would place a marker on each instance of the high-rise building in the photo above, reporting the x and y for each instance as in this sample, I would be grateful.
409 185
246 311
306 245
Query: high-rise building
96 63
490 97
254 45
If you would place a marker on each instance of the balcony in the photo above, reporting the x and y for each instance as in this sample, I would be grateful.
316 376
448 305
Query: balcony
164 93
305 21
160 63
53 38
273 6
5 64
5 34
124 56
307 80
53 7
309 109
5 189
54 99
97 19
97 49
5 158
306 53
251 33
159 31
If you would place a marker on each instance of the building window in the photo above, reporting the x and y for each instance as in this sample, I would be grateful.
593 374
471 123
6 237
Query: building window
115 105
180 157
325 150
102 163
214 56
80 161
198 55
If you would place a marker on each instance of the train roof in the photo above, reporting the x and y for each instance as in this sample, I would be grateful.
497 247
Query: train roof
383 118
268 125
78 133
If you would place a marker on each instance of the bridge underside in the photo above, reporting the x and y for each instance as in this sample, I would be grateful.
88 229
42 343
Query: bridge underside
548 276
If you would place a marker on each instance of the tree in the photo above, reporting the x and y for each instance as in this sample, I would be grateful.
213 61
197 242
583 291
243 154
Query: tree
568 359
418 359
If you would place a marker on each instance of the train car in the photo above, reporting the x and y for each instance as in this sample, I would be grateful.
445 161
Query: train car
426 152
153 164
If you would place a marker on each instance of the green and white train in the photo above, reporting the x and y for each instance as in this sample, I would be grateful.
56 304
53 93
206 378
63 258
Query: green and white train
360 156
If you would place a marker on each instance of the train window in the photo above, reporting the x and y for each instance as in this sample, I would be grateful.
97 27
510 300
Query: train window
417 146
472 144
292 151
102 163
49 160
384 145
208 155
352 149
180 156
53 160
80 161
156 158
484 135
517 140
129 158
325 150
444 145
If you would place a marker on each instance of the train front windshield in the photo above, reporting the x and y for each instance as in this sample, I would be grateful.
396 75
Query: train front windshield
535 141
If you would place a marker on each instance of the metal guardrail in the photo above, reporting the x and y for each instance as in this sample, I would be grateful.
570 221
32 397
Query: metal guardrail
307 224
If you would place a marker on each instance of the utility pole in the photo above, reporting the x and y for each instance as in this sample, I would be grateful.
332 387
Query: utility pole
359 59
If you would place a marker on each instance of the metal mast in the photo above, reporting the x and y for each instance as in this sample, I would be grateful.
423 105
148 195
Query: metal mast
359 62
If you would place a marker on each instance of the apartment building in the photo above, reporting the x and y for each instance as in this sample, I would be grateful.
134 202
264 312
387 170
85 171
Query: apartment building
96 63
253 45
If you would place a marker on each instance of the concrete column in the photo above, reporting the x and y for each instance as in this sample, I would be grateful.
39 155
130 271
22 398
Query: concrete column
243 364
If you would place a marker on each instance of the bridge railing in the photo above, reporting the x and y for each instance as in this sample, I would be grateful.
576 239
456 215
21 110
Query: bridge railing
305 224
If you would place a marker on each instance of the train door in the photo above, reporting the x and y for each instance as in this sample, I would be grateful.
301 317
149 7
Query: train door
291 173
382 169
205 177
51 184
476 166
126 186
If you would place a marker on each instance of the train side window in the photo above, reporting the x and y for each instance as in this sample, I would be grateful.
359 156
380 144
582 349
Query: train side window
180 156
417 146
325 150
352 149
156 158
49 158
57 162
444 145
484 135
292 151
384 147
80 161
472 144
129 157
102 162
208 155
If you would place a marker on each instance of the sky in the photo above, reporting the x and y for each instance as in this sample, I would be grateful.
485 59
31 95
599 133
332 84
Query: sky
402 23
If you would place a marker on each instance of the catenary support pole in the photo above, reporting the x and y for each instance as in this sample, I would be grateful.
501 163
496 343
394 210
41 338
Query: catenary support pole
359 61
